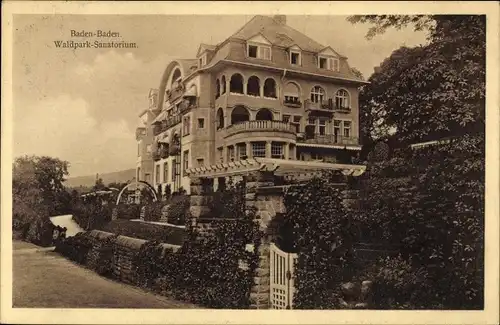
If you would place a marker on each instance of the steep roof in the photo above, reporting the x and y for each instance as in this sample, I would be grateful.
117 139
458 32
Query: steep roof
205 47
277 33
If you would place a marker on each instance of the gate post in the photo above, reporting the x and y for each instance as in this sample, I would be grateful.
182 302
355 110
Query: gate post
259 295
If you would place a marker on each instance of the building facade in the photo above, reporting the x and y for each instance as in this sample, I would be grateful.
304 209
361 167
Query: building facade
268 91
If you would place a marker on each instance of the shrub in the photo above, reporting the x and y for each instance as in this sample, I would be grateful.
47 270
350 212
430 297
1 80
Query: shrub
101 255
153 211
75 248
128 211
178 210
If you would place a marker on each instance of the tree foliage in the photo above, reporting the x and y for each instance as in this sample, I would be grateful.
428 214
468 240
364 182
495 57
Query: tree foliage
429 91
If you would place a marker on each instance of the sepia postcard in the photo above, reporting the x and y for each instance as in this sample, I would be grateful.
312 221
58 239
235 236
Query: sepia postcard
251 162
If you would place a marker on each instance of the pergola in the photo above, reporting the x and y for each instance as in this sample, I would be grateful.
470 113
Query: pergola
280 167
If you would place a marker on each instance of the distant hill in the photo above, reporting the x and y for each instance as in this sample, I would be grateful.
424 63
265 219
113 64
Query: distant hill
89 181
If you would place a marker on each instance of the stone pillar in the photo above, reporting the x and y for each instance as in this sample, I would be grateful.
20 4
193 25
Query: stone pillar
249 149
286 150
200 187
259 294
268 149
224 155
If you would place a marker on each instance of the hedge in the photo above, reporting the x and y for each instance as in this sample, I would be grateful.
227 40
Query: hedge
141 230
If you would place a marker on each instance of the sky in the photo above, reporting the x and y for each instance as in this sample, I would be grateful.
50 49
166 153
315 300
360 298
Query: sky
82 105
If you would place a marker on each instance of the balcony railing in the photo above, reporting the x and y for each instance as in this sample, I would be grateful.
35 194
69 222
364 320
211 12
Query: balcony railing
166 124
250 126
327 106
292 103
329 139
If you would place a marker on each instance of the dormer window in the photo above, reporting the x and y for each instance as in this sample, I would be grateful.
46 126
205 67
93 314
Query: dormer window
295 57
262 52
202 60
328 63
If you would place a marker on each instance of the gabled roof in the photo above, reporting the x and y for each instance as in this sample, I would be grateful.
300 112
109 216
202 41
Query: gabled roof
205 47
277 34
331 50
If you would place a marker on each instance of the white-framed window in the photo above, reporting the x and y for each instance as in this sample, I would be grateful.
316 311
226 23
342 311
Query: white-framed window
277 150
296 122
322 127
286 118
342 99
230 153
241 151
259 51
295 58
328 63
317 94
259 149
185 161
291 93
347 129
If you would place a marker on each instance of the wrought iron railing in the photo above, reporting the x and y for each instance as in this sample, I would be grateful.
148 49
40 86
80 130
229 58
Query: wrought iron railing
327 139
292 102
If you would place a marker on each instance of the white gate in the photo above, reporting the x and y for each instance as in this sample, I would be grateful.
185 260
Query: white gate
282 278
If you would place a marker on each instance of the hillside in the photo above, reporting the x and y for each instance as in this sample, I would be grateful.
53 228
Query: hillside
88 181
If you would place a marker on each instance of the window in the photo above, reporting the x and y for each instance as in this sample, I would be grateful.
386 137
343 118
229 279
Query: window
186 125
230 153
296 123
217 89
317 94
138 176
259 52
165 172
295 58
147 177
270 88
220 118
185 161
174 169
322 127
219 154
252 51
311 121
241 151
291 93
277 150
201 123
259 149
201 162
253 86
236 84
328 63
347 129
148 148
157 174
286 118
223 85
342 99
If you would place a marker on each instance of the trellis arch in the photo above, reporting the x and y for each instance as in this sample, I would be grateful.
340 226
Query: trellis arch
148 186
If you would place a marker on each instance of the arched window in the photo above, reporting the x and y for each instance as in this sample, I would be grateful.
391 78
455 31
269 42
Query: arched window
236 84
223 85
317 94
239 114
253 86
217 89
264 115
342 99
220 118
176 75
291 93
270 88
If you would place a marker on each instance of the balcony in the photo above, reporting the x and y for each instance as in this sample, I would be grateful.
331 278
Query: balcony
159 127
175 92
259 126
324 107
328 139
292 103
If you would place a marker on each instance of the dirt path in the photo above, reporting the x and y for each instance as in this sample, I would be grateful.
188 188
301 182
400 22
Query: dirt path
44 279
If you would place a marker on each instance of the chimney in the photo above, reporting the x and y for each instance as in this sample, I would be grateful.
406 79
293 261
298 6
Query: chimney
280 19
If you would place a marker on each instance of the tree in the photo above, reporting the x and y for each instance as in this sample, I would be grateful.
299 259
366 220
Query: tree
99 185
430 91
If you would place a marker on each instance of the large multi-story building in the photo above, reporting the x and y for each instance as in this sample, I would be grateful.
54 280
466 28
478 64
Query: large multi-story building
267 91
